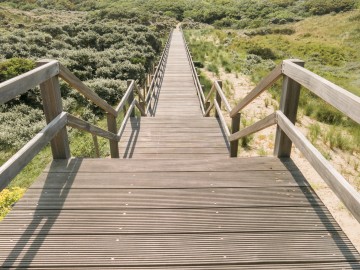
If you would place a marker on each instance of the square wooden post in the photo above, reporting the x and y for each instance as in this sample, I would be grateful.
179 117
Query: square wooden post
288 105
112 127
235 127
218 98
52 104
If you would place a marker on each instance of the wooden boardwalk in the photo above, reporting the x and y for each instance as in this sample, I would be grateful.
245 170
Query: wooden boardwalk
176 201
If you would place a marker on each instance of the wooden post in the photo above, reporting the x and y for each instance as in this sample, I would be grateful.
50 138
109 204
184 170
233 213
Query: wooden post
218 99
288 105
114 145
131 97
235 127
52 104
96 146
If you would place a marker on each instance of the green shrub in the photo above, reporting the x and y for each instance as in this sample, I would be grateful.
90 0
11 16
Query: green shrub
265 53
14 67
317 7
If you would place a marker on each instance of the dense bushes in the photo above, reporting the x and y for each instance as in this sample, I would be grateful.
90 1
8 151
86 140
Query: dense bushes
317 7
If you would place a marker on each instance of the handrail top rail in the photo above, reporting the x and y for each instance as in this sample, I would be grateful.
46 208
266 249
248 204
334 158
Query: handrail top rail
20 84
343 100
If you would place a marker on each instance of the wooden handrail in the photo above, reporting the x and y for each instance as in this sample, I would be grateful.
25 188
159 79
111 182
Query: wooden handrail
72 80
126 118
159 66
222 96
338 97
260 125
261 87
199 90
221 118
22 83
125 98
343 190
78 123
18 161
210 93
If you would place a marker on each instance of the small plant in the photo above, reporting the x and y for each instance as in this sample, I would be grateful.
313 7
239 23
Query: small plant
314 133
267 102
7 199
262 152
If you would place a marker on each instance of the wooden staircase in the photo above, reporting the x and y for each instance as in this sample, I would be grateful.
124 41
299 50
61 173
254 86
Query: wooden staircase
174 199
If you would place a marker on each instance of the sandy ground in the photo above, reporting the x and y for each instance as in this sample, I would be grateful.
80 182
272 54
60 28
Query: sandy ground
237 87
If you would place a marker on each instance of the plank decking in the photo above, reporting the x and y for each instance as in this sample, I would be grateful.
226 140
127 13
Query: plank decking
176 201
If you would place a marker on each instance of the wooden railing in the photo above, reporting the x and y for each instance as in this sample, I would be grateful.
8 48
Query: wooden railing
157 77
294 75
47 76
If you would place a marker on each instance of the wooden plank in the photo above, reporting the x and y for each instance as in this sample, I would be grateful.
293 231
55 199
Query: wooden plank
235 126
71 79
342 188
152 180
222 164
260 125
18 161
338 97
123 199
20 84
164 221
94 130
298 266
177 249
261 87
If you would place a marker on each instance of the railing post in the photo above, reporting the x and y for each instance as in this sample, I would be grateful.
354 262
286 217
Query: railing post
131 97
235 127
52 104
218 98
288 105
114 145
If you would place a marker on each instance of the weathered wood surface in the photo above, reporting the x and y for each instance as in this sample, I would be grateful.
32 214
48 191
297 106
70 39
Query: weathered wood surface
20 84
338 97
176 124
175 202
200 216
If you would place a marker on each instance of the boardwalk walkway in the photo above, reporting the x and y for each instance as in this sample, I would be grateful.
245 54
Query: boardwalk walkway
176 201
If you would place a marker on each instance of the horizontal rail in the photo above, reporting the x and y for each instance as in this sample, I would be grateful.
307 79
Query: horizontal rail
126 118
260 125
338 97
261 87
125 98
222 96
347 194
221 118
22 83
18 161
71 79
210 93
86 126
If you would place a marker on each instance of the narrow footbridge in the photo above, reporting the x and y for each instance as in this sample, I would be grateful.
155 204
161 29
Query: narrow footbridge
174 195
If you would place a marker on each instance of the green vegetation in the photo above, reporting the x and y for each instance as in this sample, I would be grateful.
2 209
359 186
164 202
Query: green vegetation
100 47
256 52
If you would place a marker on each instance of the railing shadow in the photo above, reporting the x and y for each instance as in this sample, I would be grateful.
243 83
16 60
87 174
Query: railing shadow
132 140
32 239
321 211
